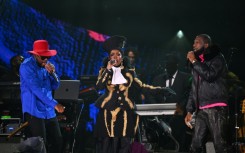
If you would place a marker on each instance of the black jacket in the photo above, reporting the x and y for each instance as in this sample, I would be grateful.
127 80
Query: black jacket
181 86
209 80
119 95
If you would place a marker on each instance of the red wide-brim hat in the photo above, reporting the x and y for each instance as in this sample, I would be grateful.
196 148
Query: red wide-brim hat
41 48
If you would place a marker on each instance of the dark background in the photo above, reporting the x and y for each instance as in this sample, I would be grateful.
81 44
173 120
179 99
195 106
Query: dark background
150 25
155 23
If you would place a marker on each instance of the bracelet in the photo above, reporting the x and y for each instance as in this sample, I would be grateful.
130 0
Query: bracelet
193 61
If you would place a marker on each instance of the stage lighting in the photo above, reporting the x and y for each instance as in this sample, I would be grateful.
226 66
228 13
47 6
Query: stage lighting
180 34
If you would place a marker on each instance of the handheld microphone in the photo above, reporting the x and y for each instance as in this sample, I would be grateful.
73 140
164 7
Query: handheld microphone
112 61
196 53
54 75
188 63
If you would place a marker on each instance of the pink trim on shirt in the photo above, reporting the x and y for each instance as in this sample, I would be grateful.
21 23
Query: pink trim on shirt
213 105
201 57
220 104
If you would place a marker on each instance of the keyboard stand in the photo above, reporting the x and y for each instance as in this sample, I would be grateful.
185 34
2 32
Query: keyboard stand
156 110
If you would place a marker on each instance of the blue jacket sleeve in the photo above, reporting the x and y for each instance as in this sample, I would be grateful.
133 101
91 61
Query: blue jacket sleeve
39 83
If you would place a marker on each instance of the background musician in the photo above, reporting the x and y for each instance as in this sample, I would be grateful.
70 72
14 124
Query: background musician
178 81
13 74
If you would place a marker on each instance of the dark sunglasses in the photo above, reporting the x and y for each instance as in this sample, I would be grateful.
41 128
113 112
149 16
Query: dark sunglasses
45 57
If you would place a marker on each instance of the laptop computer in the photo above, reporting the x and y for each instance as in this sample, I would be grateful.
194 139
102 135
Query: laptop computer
68 90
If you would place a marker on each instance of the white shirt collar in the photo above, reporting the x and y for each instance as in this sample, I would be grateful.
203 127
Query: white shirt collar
175 74
173 78
117 77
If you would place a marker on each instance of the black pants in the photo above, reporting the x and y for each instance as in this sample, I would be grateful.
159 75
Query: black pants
177 123
48 129
113 145
211 121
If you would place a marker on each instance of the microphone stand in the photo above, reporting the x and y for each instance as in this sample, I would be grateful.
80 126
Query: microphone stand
76 123
236 126
237 142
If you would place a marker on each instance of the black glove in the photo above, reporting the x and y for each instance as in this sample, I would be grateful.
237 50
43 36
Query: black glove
168 91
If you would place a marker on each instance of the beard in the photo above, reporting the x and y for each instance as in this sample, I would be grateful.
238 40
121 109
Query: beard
199 51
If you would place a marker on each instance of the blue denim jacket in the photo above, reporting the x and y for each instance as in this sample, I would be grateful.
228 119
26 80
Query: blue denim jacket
36 90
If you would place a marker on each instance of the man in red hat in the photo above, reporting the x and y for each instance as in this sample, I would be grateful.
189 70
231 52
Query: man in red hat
38 79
